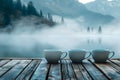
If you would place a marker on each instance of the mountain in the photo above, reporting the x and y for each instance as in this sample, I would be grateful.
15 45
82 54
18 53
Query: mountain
106 7
71 9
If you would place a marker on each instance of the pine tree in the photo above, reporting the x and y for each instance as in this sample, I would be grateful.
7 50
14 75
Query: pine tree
50 17
24 10
100 29
88 29
7 8
18 5
41 14
31 9
1 5
6 20
62 20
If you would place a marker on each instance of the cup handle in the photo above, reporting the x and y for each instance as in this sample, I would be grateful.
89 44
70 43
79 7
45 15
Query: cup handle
112 54
88 55
65 55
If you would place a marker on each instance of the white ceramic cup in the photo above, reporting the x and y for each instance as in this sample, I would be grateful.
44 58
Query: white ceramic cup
53 56
100 56
77 56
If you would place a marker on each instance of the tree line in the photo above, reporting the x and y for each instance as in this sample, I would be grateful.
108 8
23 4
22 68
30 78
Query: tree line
90 29
11 10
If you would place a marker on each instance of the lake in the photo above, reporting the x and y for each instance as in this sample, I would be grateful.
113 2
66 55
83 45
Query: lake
32 45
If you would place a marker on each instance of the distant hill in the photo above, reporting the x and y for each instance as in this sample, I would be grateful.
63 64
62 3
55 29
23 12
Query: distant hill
105 7
71 9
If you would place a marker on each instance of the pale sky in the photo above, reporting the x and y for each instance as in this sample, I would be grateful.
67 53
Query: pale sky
85 1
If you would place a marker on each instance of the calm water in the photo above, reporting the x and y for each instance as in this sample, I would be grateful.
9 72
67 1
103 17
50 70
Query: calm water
32 46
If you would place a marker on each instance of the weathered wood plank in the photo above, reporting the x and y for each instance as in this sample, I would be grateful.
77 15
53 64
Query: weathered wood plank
84 72
117 62
67 70
55 72
77 72
108 70
28 71
42 71
114 66
12 74
39 70
32 70
64 70
70 70
93 71
4 69
3 62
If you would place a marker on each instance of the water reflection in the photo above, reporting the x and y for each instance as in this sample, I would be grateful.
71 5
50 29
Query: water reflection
91 41
33 48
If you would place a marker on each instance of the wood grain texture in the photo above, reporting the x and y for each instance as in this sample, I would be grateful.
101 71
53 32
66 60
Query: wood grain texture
3 62
39 69
93 71
108 70
16 70
7 67
26 73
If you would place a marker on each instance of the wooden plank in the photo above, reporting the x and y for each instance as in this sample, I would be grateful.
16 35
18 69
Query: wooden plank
81 73
37 70
114 66
55 72
12 74
67 70
118 59
3 62
4 69
64 70
77 72
108 71
42 71
19 58
32 70
94 73
70 70
116 62
84 72
28 71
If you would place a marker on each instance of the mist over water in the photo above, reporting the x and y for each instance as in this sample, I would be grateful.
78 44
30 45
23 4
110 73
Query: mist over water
29 40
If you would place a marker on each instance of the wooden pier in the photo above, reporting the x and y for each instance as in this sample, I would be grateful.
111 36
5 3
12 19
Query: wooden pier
38 69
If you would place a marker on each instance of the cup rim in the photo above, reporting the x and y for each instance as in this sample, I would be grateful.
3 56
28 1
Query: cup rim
52 50
78 51
101 50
